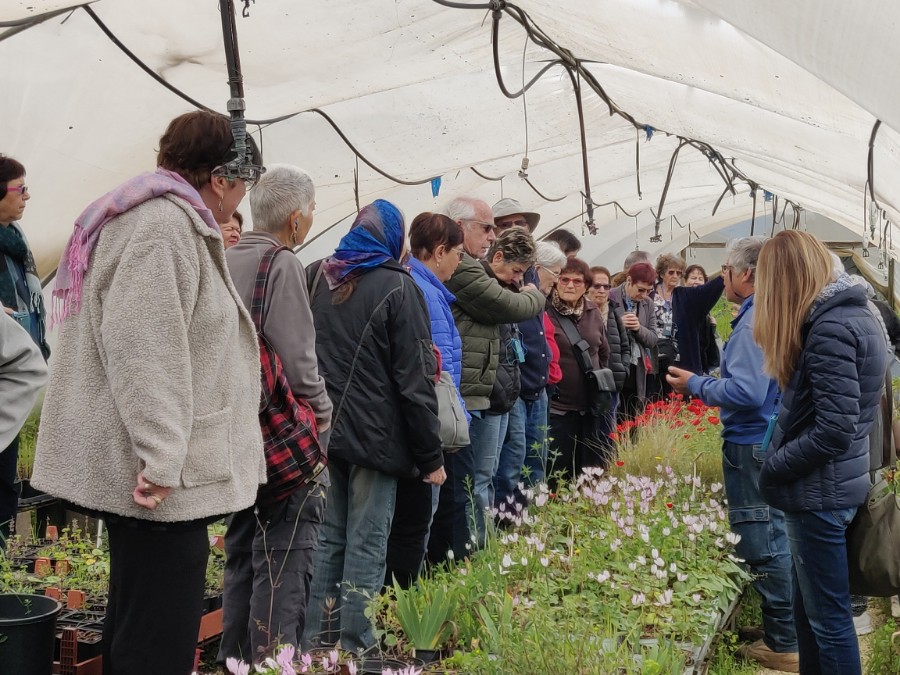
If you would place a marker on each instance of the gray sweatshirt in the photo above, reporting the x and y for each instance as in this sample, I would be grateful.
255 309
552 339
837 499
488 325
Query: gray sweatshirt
22 374
287 322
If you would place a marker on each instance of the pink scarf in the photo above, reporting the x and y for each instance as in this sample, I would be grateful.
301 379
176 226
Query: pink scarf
77 255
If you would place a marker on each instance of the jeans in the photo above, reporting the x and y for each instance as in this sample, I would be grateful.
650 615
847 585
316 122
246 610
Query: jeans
268 569
486 432
536 440
350 563
510 460
763 545
825 633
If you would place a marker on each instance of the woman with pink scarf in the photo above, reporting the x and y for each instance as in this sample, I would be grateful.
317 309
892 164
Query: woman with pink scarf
151 414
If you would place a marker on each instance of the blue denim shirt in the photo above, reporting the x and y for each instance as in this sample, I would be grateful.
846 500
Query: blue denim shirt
745 394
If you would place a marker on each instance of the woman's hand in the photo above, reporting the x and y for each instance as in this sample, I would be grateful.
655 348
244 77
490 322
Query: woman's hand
436 477
147 494
631 321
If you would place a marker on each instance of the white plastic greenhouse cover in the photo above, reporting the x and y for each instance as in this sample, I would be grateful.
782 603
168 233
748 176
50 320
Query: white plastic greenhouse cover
787 93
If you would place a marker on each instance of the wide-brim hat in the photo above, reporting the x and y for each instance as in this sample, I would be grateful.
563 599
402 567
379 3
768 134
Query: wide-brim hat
509 207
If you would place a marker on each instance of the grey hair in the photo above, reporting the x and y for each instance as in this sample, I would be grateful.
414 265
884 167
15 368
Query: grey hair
548 253
461 208
635 257
744 252
282 190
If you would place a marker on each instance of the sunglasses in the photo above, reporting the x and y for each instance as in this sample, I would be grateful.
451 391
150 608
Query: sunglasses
21 189
642 290
604 287
674 273
485 227
571 281
513 223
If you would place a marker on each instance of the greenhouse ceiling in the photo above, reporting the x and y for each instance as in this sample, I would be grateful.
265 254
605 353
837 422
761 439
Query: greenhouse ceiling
696 114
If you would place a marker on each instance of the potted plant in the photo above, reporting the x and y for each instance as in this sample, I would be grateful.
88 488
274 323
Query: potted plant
425 613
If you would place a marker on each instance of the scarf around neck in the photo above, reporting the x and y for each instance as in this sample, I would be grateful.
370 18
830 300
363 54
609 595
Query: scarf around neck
76 257
565 309
14 245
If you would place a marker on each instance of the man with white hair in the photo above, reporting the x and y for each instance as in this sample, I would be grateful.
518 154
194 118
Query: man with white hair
482 304
273 546
747 398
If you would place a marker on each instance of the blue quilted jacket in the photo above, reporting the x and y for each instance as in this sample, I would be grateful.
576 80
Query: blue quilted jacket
443 327
818 458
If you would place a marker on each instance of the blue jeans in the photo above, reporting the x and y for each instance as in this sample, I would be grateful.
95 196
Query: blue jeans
763 545
486 432
825 632
350 563
536 440
510 459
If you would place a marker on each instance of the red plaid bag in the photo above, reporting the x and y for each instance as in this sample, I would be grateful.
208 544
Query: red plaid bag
290 438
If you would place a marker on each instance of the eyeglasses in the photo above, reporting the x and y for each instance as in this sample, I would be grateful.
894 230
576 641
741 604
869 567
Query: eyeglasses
553 274
512 223
486 227
459 252
674 273
571 281
604 287
725 268
21 189
642 290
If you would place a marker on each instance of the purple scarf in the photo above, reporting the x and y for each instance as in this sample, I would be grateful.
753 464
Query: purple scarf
77 255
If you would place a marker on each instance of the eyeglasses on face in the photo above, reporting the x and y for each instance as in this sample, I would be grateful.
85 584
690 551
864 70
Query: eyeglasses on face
604 287
674 273
485 227
725 268
553 274
642 290
571 281
519 222
21 189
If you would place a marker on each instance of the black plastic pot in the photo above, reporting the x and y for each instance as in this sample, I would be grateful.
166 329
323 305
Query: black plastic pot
27 633
377 665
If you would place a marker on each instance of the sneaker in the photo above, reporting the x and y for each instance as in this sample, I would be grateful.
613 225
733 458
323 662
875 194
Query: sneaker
895 606
788 662
863 624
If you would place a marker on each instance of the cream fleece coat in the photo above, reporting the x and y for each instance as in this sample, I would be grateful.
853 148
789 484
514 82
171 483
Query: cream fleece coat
158 371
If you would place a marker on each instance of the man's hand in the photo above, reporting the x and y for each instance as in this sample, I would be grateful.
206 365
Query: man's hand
8 310
436 477
678 379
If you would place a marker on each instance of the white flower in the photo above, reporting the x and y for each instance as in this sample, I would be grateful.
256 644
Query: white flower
681 577
696 597
603 576
665 598
715 487
507 561
732 537
545 561
673 568
666 531
654 552
638 599
660 574
632 566
540 500
524 561
720 543
642 560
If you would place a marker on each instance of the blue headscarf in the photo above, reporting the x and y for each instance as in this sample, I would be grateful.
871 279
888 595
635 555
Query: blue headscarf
375 237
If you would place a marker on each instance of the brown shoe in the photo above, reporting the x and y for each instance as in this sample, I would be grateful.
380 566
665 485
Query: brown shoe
750 633
758 651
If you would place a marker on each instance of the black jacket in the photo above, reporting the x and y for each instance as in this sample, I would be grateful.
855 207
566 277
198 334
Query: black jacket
376 357
619 345
818 458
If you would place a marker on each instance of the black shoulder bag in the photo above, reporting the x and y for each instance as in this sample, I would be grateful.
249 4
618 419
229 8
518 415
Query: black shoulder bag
601 381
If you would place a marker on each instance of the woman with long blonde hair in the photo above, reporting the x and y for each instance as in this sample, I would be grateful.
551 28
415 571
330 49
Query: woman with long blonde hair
827 351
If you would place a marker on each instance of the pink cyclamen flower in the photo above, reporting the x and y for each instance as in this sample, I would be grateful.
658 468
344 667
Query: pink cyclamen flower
285 657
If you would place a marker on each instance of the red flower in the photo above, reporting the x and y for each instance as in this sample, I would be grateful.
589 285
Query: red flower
670 505
687 435
619 462
700 430
713 419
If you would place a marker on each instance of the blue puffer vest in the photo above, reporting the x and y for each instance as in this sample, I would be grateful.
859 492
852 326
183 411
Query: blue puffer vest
443 327
818 458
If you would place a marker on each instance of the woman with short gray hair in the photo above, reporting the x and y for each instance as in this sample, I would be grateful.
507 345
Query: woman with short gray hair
272 545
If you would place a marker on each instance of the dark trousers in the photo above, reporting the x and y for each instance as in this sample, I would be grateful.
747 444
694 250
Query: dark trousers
575 443
630 404
450 528
156 581
269 555
9 493
409 531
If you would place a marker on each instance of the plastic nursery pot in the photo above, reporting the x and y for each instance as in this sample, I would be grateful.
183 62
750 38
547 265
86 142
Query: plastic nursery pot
428 655
377 665
27 633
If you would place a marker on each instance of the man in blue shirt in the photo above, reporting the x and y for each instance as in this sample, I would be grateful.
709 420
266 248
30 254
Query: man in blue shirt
747 398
